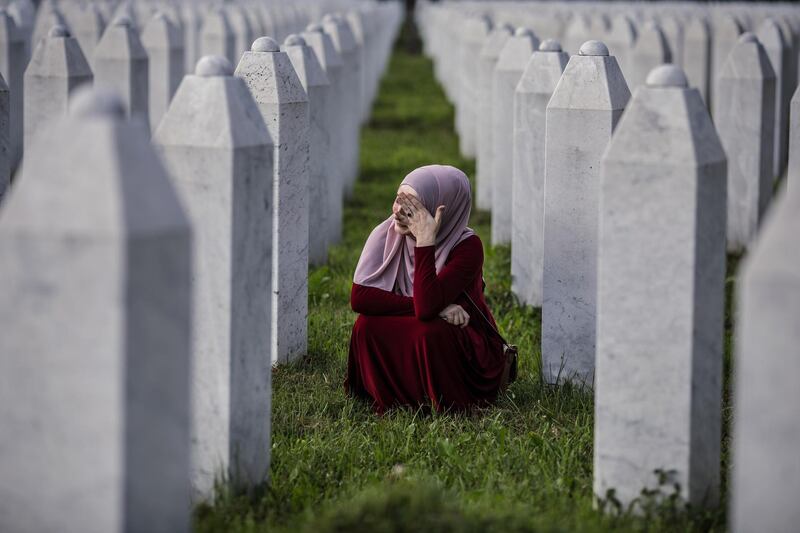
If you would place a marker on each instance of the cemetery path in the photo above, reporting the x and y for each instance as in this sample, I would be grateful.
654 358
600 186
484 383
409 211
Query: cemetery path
523 465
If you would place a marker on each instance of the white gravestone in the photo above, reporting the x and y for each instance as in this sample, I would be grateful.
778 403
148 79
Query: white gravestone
794 141
486 62
530 104
283 104
87 25
346 45
331 62
507 73
650 51
745 115
217 37
56 68
12 67
661 297
242 27
95 258
218 151
5 138
725 31
192 22
317 87
581 117
473 36
621 40
120 63
766 428
162 41
697 55
771 38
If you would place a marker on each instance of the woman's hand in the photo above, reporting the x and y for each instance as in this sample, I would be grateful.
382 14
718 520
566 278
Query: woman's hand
422 225
455 314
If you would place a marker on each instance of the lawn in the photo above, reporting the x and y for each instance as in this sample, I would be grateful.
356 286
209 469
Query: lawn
523 465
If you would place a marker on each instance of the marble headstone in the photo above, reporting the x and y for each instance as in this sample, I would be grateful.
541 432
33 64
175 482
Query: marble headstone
660 297
507 73
162 41
745 117
219 153
95 258
580 118
532 94
283 104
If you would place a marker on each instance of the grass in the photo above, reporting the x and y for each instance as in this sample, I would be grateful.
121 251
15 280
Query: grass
523 465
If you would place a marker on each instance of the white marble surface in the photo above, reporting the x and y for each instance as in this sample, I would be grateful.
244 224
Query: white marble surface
217 37
165 58
771 38
745 115
12 67
509 68
218 151
283 104
697 55
650 51
580 117
95 255
793 171
531 96
56 68
120 63
660 297
318 88
766 428
487 59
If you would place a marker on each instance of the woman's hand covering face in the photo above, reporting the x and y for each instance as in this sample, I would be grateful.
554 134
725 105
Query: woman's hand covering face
419 221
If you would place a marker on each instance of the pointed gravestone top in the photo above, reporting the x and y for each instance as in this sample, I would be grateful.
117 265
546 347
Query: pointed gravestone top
517 51
305 62
495 42
265 44
323 46
210 66
667 76
58 30
549 45
747 60
593 48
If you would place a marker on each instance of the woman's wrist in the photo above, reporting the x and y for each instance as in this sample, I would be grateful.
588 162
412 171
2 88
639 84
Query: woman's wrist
426 240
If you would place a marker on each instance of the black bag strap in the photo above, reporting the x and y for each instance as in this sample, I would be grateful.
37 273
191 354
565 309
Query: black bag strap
485 319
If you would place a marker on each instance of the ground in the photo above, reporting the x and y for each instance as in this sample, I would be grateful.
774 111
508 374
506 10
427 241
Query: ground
523 465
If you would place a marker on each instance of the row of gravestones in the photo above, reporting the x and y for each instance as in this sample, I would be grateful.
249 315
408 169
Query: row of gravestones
627 206
151 284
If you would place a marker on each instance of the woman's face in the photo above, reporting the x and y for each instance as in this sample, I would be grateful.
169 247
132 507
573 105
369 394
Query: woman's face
398 226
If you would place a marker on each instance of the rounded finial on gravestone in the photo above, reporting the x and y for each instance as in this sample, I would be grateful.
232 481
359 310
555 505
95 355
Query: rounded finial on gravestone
265 44
523 32
294 40
314 28
593 48
549 45
58 30
748 37
211 66
667 76
88 102
123 20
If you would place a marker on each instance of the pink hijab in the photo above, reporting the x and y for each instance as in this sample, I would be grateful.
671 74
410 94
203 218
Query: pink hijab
387 261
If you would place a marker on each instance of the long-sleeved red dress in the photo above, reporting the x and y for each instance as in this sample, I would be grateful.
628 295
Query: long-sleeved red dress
403 354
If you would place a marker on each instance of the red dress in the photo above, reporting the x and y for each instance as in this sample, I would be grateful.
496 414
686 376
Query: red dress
403 353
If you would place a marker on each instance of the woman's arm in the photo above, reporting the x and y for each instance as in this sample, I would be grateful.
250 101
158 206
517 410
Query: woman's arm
377 302
433 292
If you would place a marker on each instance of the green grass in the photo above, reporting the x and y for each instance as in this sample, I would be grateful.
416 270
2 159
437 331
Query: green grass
523 465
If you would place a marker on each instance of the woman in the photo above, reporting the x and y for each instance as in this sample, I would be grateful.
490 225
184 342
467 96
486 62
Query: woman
419 341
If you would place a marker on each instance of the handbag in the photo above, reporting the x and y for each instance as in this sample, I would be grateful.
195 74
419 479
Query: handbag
509 350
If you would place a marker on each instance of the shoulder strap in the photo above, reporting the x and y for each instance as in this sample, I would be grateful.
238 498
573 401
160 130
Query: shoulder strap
485 319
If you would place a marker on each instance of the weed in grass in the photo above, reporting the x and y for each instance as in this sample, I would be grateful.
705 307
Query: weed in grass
523 465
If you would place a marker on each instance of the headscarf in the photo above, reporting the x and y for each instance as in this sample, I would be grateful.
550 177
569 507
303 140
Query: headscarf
387 261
